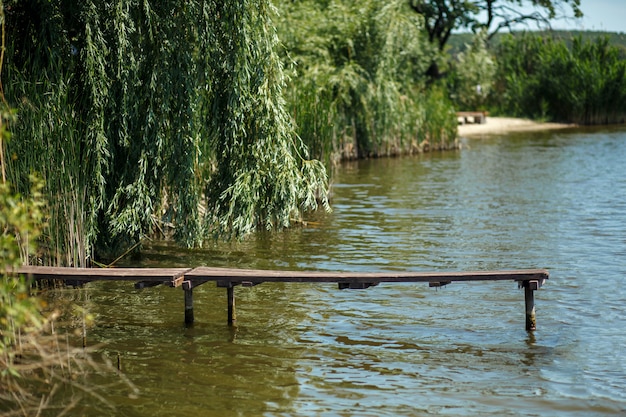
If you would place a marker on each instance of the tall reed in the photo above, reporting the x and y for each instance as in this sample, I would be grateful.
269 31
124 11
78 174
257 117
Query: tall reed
356 87
542 77
52 148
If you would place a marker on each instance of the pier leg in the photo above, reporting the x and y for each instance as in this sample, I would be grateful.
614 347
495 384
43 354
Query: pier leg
189 305
529 296
230 293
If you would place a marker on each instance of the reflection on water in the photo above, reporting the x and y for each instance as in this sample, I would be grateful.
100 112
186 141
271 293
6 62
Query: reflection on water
548 200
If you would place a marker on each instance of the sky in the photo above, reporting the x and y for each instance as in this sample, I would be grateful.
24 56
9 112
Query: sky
602 15
599 15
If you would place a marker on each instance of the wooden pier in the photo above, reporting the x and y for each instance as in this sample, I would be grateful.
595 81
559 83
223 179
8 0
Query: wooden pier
189 278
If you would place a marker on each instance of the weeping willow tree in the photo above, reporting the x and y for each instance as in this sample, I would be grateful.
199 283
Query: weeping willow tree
138 112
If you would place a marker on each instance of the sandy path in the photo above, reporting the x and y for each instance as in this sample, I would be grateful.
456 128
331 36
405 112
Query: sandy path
499 125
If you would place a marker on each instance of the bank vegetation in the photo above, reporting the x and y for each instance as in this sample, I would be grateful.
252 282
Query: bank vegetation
562 80
202 120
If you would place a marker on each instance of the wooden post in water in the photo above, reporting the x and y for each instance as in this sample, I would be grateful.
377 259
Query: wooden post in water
188 290
230 294
529 298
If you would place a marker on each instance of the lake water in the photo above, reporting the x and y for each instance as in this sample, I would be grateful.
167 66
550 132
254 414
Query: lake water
554 200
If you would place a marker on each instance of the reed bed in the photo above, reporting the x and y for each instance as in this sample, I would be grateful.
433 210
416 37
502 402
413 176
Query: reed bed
357 87
584 83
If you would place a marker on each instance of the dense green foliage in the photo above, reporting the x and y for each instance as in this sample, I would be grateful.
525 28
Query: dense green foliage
357 88
20 220
138 112
194 115
542 78
19 229
20 317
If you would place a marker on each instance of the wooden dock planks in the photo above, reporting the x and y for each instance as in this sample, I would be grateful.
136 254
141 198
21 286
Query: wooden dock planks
238 276
188 278
103 274
259 276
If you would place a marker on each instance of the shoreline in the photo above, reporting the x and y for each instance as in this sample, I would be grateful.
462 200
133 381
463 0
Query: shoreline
502 125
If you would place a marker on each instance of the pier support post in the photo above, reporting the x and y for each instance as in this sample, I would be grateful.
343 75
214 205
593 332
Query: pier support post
188 290
230 294
529 298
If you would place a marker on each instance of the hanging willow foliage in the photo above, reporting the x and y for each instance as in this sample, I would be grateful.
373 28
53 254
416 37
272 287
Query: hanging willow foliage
263 175
138 111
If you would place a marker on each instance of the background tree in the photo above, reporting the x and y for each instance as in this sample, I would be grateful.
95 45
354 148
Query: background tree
441 17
